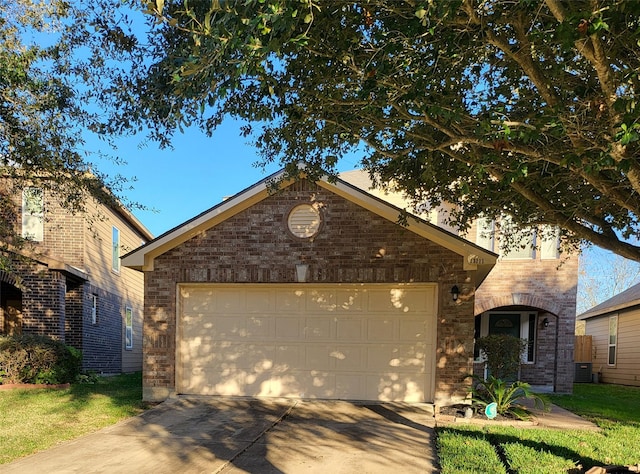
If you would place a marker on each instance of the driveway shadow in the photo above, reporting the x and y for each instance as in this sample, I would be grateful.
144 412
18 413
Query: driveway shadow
226 435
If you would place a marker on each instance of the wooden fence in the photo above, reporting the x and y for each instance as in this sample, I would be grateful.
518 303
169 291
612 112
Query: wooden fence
582 349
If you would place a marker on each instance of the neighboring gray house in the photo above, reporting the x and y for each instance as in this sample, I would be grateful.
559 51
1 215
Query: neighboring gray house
614 327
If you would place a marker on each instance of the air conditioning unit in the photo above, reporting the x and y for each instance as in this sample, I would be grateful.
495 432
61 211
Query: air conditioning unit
583 372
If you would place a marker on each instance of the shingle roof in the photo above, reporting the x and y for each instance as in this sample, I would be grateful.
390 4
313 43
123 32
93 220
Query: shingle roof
626 299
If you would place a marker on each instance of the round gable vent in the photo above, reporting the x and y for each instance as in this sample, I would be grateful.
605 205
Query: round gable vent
304 221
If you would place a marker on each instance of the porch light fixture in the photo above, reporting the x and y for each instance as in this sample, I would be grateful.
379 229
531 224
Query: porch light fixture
455 292
301 272
545 323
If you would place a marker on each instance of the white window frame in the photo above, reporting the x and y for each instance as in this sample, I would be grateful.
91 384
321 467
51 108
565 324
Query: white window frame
94 309
485 233
115 249
550 243
528 251
613 340
33 214
128 328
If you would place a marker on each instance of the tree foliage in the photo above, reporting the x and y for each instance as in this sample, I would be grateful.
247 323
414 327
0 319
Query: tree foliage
48 50
523 107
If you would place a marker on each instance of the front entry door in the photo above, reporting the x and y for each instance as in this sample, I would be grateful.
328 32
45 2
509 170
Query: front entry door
505 324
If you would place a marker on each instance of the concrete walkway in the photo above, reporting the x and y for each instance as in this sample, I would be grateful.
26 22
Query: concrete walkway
559 418
222 435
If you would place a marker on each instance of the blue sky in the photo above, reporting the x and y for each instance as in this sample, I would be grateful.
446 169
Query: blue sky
196 175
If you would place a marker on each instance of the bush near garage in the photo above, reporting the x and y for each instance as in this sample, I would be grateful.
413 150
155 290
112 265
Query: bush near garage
37 359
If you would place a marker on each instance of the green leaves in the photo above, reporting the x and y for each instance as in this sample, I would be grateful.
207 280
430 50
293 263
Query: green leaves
506 396
512 107
628 133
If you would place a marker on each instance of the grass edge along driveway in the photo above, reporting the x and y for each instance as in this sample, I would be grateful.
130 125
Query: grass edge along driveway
493 449
36 419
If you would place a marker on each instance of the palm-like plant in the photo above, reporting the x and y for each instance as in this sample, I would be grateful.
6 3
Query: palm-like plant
506 396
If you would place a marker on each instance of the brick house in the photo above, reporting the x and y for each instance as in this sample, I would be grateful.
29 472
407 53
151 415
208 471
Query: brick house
314 291
530 293
67 282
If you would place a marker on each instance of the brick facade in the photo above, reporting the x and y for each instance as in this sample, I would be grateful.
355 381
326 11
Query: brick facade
53 281
548 287
254 246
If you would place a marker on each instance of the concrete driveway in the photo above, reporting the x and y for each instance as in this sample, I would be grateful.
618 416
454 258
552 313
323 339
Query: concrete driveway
223 435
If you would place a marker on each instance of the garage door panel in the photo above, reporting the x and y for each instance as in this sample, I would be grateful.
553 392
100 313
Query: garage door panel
197 300
288 328
412 330
352 386
392 387
396 300
290 301
226 327
397 357
290 356
318 328
226 356
349 358
260 327
230 301
381 329
263 302
350 301
320 301
319 358
364 342
350 329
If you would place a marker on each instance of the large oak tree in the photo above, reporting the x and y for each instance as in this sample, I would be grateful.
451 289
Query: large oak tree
519 107
48 52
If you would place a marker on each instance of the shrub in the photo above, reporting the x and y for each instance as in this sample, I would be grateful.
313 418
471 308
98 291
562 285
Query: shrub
37 359
506 396
503 353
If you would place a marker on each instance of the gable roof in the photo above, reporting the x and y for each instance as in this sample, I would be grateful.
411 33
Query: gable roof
628 298
475 257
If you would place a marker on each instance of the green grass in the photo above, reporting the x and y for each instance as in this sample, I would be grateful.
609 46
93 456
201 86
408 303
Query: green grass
33 420
615 409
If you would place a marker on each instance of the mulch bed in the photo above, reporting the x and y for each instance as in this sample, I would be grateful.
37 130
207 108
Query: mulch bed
458 414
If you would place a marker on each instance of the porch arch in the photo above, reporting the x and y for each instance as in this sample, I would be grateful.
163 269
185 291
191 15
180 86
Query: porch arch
515 299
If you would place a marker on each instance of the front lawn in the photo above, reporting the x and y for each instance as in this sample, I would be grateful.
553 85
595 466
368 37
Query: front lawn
33 420
492 449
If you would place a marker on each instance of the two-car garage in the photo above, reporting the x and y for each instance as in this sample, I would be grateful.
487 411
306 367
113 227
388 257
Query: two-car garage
345 341
306 288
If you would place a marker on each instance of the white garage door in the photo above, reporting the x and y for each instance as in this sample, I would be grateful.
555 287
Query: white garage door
352 342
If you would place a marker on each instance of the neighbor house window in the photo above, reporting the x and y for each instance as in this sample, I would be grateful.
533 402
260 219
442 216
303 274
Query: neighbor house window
94 309
33 214
128 331
613 339
115 250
